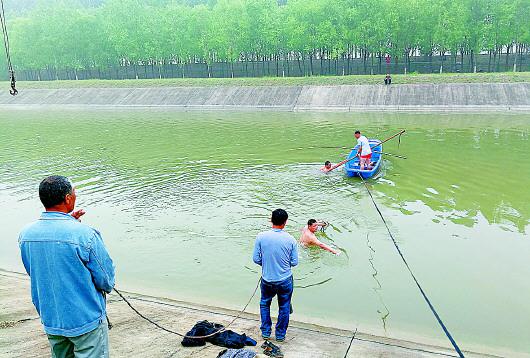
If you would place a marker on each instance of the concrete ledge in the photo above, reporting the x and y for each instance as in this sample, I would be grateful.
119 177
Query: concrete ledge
415 109
415 97
21 333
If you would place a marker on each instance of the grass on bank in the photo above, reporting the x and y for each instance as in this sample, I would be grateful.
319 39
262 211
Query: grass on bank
504 77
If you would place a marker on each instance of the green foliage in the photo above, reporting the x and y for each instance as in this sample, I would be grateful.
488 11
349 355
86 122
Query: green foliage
84 34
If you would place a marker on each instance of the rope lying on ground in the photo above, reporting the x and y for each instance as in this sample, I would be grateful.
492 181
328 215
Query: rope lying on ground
9 324
433 310
183 335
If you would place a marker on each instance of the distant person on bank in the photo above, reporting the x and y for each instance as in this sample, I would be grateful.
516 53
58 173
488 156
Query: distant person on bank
70 272
276 252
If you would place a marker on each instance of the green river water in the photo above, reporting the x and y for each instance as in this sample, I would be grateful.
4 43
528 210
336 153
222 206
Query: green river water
180 196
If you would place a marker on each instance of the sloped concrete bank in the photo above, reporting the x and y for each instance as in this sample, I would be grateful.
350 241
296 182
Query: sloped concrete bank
412 97
21 333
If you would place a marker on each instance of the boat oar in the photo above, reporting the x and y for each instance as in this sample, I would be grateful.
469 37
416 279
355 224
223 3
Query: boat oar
391 137
392 155
372 147
340 163
386 153
324 147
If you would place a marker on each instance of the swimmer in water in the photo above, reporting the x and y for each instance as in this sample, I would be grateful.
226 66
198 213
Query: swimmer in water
329 167
326 167
309 238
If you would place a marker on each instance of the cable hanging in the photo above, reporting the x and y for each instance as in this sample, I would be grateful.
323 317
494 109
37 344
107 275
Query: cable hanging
13 91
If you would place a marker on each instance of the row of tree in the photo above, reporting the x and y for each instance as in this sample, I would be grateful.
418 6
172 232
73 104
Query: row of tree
82 35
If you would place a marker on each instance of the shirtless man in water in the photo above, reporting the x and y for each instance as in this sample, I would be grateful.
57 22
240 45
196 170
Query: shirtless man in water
329 167
308 237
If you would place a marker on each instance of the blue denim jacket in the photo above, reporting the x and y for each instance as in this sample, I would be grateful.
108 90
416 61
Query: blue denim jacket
69 269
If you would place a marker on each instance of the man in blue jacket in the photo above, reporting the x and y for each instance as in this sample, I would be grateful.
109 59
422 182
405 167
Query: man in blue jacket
276 252
70 272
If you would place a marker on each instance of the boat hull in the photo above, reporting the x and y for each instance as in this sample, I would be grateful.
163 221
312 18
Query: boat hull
352 167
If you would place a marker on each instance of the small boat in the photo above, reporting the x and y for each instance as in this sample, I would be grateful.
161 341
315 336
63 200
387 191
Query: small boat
352 167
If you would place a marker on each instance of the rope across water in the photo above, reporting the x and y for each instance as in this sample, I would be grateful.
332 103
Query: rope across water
433 310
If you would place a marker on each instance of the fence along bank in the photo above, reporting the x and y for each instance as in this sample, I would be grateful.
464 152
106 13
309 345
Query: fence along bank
285 67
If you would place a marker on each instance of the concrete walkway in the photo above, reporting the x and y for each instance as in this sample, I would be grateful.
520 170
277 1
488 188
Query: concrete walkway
414 97
21 333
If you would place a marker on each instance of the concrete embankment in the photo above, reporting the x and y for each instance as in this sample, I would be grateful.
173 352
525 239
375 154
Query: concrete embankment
21 333
409 97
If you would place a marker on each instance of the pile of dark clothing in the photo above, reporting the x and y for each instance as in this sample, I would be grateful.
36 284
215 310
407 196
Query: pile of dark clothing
228 339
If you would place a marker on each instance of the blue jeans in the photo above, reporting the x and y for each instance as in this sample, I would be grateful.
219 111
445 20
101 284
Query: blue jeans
284 290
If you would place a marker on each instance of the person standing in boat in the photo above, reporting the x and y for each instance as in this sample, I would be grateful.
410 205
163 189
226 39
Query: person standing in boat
309 238
276 252
364 152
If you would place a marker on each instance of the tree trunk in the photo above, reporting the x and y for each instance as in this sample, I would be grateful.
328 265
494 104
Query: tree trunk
430 62
507 55
364 60
321 60
442 57
499 55
299 66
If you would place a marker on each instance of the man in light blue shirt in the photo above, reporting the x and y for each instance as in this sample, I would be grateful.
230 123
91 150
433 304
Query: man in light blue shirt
276 252
70 272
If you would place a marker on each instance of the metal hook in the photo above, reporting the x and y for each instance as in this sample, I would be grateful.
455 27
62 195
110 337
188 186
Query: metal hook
13 91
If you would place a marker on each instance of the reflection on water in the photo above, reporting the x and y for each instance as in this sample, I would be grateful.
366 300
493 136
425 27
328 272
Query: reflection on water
180 197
